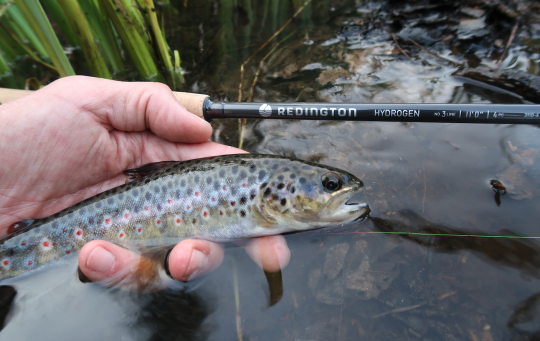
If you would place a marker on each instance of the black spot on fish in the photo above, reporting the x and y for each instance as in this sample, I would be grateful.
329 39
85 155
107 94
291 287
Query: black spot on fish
306 167
283 202
178 194
280 178
114 190
252 168
275 166
164 189
222 173
169 184
10 252
147 181
280 186
252 194
243 200
209 180
135 192
159 207
110 201
98 205
183 183
82 211
293 176
197 178
55 224
182 168
243 162
275 196
302 181
286 169
148 196
189 191
137 208
266 162
293 189
90 220
263 185
156 189
235 169
267 192
242 213
217 186
262 174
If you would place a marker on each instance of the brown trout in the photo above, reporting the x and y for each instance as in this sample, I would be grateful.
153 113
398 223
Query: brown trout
217 198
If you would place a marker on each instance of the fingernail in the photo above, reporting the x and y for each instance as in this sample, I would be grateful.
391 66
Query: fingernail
197 264
101 260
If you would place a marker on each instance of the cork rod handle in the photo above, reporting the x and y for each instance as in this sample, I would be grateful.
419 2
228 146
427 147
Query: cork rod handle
192 102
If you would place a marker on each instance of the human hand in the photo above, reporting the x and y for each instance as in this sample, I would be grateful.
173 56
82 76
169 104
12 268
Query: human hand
72 139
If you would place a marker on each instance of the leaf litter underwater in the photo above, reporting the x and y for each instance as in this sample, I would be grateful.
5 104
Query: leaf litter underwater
418 178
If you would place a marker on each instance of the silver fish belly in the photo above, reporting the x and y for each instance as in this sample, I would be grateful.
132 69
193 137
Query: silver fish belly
218 198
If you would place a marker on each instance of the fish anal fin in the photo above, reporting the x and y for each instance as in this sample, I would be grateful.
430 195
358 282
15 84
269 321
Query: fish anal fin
146 170
19 225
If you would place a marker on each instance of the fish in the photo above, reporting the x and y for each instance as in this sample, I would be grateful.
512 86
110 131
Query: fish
218 198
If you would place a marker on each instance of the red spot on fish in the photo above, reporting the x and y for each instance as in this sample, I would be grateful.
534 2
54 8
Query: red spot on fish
220 212
30 262
178 220
6 262
170 201
205 214
188 207
197 194
224 188
244 184
139 229
79 232
108 221
194 221
146 208
158 222
68 252
65 230
23 242
46 244
127 216
56 259
214 199
121 235
233 203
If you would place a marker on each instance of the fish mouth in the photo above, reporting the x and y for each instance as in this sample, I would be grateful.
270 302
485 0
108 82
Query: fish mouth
359 207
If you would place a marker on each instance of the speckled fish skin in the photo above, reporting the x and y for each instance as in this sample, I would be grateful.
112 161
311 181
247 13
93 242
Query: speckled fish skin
218 198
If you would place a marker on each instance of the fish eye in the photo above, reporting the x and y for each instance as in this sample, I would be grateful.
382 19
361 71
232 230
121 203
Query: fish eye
331 182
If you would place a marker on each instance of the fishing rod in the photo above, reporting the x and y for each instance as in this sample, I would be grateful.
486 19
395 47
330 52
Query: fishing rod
202 106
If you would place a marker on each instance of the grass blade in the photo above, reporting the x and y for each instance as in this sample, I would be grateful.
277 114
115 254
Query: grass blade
36 18
79 25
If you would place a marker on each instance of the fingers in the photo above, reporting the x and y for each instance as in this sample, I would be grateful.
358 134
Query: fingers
133 107
194 258
109 264
271 253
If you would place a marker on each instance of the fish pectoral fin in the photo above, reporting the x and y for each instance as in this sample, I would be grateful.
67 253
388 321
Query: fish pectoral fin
149 169
275 286
265 219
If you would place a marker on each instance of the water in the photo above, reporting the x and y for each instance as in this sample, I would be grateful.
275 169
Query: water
342 284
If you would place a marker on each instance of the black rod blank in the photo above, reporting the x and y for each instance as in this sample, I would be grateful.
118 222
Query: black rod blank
442 113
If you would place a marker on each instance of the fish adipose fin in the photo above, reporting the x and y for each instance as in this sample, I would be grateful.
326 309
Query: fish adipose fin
149 169
20 226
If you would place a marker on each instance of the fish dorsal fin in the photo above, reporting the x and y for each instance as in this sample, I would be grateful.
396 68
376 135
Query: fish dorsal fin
19 225
149 169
